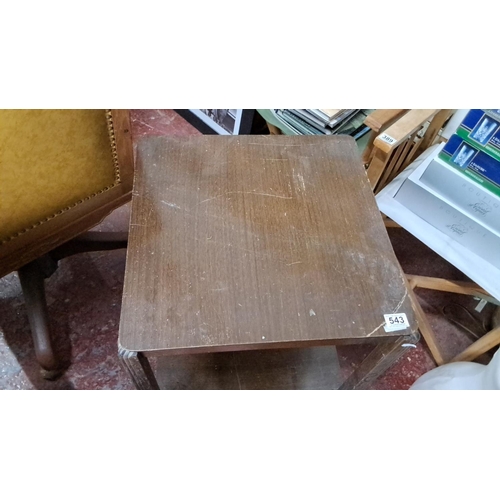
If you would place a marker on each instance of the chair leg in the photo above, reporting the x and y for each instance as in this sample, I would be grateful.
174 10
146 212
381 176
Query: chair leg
32 278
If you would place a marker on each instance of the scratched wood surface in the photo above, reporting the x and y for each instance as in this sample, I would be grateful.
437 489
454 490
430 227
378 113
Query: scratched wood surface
247 242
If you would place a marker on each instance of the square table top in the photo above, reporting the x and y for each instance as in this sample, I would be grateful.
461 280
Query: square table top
249 242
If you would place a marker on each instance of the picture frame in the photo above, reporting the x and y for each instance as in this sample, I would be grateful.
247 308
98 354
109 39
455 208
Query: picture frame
219 121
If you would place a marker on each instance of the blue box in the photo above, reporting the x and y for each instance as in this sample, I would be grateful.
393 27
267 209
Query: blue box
481 128
472 162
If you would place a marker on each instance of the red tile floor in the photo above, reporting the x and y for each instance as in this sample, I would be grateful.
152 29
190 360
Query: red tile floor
84 298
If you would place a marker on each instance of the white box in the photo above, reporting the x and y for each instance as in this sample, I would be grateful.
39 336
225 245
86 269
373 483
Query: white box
464 194
450 221
475 267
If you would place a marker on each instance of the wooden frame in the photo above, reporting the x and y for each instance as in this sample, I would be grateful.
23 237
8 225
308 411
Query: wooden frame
396 148
68 223
480 346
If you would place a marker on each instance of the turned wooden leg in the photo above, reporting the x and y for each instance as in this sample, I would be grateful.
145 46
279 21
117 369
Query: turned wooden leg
32 278
139 369
378 361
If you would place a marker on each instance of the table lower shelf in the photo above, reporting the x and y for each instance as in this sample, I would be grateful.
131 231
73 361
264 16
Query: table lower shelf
310 368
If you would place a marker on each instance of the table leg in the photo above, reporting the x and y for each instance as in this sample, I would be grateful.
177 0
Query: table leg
378 361
139 369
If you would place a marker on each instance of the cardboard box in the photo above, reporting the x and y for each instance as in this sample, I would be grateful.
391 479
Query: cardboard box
481 128
475 164
462 192
450 221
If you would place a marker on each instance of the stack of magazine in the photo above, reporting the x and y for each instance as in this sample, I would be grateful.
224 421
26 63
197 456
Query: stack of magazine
325 121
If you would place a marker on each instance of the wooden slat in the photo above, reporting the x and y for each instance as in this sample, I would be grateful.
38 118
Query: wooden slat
404 127
412 154
411 283
380 119
403 162
484 344
368 152
394 165
377 167
443 285
433 130
396 155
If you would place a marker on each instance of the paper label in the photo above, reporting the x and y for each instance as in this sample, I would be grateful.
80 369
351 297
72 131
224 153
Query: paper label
481 305
387 138
394 322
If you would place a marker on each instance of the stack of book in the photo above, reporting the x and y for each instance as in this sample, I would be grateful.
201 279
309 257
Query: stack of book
325 121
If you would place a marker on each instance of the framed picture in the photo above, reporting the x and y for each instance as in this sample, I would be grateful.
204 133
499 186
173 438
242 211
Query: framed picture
219 121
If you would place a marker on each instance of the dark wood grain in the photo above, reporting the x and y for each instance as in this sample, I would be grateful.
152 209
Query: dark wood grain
313 368
255 241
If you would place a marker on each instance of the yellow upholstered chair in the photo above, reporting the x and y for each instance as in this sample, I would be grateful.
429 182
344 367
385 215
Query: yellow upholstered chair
61 172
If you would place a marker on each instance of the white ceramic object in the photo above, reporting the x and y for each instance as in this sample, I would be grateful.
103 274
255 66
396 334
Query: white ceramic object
463 375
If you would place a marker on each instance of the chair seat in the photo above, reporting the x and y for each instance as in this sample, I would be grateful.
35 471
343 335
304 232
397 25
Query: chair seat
50 160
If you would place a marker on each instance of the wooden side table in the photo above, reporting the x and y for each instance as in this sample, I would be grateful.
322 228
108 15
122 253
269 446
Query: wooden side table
258 242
